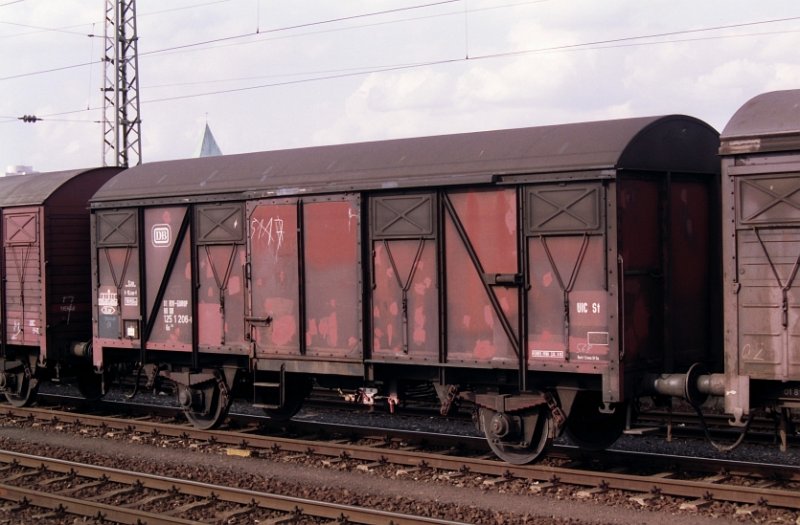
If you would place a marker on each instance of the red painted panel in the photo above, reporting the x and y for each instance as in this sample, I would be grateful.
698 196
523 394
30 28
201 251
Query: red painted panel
221 273
173 325
23 275
411 332
330 234
119 291
475 333
274 277
586 310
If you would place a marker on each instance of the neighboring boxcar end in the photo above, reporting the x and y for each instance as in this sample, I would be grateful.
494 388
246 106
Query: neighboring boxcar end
760 220
45 301
761 183
539 273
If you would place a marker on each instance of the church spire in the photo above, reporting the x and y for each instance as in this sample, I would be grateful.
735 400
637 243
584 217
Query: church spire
208 147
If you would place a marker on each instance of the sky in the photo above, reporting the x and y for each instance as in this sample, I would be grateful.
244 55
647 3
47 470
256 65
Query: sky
268 74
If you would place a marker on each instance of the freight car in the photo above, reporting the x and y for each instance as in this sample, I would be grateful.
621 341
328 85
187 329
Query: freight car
760 152
541 274
45 283
549 276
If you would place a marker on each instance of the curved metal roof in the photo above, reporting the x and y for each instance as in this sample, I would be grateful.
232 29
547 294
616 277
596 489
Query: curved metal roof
35 188
767 122
430 161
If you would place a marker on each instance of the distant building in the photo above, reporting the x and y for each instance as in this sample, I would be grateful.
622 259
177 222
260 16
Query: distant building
18 169
208 147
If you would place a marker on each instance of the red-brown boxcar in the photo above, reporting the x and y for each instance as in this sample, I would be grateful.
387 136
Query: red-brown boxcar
45 294
539 273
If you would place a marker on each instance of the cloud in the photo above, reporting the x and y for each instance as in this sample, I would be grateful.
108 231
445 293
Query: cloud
708 78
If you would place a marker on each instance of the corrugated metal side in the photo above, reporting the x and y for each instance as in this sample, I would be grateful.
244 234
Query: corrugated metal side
405 277
691 256
275 278
305 281
332 287
69 299
768 257
172 323
22 251
761 250
641 240
67 248
568 303
480 229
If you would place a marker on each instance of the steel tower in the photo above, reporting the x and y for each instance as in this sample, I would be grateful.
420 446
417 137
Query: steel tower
122 139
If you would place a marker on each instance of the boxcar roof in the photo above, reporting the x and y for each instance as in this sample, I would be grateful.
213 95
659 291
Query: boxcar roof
767 122
465 158
33 189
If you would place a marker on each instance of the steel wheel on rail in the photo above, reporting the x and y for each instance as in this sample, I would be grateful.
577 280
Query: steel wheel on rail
591 429
205 405
89 383
88 380
20 386
520 437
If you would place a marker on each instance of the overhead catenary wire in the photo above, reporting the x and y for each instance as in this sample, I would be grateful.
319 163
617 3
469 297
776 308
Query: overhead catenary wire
299 26
626 41
600 44
232 37
339 74
270 37
66 29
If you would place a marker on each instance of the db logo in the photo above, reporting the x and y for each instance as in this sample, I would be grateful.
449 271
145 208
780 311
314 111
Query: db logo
162 235
108 310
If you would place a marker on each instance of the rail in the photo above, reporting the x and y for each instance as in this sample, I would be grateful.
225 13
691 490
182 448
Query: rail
708 487
143 486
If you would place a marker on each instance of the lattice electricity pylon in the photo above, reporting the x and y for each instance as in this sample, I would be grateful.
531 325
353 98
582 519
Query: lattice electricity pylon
122 138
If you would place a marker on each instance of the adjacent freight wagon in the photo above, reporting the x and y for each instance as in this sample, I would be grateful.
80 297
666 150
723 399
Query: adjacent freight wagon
760 220
541 274
45 286
761 225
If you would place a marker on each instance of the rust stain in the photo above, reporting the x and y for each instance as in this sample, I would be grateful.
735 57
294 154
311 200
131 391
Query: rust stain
284 329
488 316
234 285
420 335
329 329
484 349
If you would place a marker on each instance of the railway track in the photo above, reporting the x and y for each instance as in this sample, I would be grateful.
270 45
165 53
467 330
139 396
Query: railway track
698 482
51 488
669 424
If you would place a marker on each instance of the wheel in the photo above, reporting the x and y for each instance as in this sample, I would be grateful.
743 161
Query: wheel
517 438
205 405
90 384
297 389
20 387
591 429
